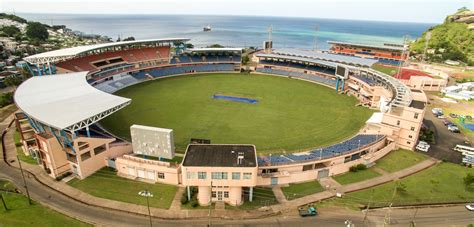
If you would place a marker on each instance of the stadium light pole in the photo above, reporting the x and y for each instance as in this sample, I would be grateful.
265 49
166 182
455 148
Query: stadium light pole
147 194
427 41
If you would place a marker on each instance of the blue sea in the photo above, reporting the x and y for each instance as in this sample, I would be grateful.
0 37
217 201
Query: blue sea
238 31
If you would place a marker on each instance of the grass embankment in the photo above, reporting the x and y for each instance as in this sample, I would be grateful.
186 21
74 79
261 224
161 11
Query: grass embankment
294 191
21 155
290 114
353 177
393 162
442 183
389 70
261 197
20 213
400 159
106 184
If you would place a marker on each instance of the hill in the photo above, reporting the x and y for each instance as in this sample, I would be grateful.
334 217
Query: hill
451 40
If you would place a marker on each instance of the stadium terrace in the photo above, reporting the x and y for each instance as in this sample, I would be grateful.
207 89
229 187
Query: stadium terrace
73 89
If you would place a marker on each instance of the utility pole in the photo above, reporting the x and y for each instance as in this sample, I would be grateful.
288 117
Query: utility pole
24 180
147 194
368 206
387 216
427 41
3 201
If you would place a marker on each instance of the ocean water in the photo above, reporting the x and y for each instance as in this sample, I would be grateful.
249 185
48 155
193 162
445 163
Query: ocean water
238 31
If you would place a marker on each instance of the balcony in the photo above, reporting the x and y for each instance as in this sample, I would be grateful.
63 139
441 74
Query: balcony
275 174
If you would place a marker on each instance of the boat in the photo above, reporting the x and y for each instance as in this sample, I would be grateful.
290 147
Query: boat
207 28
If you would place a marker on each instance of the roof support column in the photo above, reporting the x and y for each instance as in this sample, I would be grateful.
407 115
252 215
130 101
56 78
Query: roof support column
49 67
39 70
88 132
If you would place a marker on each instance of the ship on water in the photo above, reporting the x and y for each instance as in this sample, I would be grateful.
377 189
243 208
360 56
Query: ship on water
207 28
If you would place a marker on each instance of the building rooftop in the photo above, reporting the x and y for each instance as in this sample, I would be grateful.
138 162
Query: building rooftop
336 58
66 101
67 53
220 155
396 47
417 104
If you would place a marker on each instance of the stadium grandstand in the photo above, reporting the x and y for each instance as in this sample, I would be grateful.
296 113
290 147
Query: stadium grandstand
388 53
63 109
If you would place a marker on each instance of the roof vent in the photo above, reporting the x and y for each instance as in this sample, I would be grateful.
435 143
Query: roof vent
240 158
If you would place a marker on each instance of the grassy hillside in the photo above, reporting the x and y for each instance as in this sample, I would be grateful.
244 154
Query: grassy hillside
451 40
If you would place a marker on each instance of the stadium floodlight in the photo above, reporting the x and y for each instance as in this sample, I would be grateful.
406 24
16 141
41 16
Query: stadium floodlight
147 194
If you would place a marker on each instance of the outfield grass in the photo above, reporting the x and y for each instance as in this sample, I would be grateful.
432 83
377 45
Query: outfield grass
20 213
294 191
353 177
261 197
106 184
442 183
399 159
290 114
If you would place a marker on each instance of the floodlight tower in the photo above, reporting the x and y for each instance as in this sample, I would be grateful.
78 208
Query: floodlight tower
315 44
427 41
405 51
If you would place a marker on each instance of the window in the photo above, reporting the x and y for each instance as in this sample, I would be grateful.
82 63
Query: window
235 176
191 175
247 176
416 116
398 123
412 128
99 149
410 136
226 194
219 175
213 194
85 156
161 175
202 175
408 142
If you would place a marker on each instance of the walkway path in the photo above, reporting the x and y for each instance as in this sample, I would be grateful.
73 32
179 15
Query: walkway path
379 170
279 195
176 204
286 206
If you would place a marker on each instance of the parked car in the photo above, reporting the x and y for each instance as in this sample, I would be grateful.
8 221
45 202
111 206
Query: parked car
306 211
470 207
453 128
453 115
423 146
446 122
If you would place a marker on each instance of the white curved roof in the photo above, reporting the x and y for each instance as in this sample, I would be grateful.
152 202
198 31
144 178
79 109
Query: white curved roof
343 59
66 101
63 54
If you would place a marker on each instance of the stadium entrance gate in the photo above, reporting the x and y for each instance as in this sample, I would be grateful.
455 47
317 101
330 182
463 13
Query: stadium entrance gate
323 173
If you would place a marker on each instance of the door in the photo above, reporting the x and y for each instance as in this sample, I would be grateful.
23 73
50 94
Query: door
274 180
219 195
131 171
323 173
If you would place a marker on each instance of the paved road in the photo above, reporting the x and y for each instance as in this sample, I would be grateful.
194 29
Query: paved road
453 216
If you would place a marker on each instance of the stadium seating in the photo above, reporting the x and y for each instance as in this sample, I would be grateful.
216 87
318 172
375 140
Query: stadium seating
367 80
298 75
129 55
389 61
342 148
112 86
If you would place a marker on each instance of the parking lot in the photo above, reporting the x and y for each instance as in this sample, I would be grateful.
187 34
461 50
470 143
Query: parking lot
445 140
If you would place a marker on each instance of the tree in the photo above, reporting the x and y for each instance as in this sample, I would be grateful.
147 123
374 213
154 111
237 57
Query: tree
11 31
13 81
189 45
131 38
215 46
469 180
245 59
36 31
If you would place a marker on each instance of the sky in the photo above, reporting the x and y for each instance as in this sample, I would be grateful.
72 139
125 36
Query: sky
422 11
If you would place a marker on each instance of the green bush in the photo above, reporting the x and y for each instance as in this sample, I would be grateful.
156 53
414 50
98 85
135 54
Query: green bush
184 199
358 167
194 202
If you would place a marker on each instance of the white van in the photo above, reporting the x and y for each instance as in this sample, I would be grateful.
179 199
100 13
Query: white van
463 148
